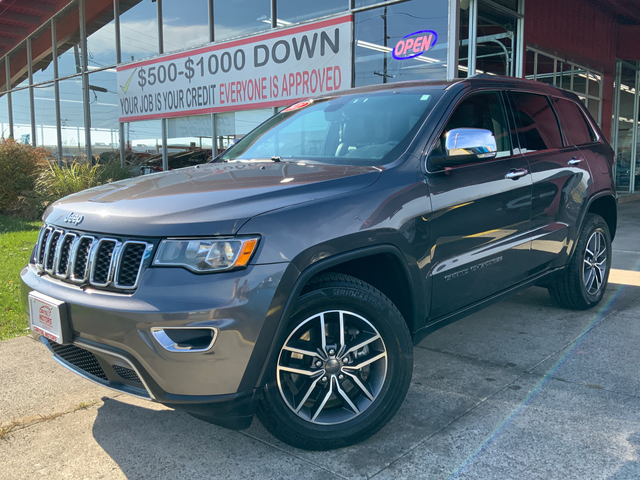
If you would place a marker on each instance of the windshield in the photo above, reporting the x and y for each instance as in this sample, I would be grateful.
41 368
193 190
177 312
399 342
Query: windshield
362 129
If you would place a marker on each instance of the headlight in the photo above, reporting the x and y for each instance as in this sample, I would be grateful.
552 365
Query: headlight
206 255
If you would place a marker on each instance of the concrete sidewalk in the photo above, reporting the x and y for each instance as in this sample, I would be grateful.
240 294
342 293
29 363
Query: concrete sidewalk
522 390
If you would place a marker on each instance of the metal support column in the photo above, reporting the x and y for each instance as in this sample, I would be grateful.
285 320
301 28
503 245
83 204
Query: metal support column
634 138
473 37
116 17
519 51
116 24
7 65
274 13
32 107
165 152
615 124
454 37
214 133
56 89
85 81
212 32
160 33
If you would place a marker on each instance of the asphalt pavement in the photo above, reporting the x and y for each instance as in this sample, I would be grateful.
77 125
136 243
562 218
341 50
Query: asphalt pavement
521 390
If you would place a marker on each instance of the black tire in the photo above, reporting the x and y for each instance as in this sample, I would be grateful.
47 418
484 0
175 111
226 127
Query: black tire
572 288
365 313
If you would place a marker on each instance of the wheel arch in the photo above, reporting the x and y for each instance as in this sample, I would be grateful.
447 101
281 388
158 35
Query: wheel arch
352 263
603 204
606 207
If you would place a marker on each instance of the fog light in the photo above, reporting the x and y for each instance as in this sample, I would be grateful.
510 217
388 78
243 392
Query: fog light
185 339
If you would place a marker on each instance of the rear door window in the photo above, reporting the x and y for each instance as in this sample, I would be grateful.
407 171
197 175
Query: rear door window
537 123
576 127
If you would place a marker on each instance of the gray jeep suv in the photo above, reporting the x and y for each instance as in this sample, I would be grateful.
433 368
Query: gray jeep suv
292 276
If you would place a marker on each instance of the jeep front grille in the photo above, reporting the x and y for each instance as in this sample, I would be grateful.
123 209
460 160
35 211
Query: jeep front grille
87 259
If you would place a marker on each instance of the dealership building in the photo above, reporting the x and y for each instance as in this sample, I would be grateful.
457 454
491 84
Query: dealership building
139 78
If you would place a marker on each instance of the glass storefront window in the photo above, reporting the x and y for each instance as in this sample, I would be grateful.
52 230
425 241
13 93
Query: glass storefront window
563 75
235 125
42 58
510 4
68 34
21 115
240 17
568 76
406 41
625 147
545 69
185 23
138 30
45 116
463 48
294 11
579 81
143 139
103 107
595 82
189 140
72 118
366 3
101 37
496 39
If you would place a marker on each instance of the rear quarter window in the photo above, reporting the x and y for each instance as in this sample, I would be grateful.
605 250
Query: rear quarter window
577 128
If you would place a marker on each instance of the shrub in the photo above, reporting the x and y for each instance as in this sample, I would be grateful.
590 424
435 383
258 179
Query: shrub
56 182
19 169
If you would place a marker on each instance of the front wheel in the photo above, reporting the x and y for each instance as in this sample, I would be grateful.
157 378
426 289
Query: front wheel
343 369
582 283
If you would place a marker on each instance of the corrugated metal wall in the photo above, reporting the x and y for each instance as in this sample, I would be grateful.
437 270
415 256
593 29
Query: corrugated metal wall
577 27
577 30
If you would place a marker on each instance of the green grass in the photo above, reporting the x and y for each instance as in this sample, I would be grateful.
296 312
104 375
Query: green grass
17 238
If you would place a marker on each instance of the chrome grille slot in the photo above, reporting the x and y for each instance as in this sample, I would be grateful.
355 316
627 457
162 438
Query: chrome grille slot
80 259
64 254
42 245
50 250
90 260
130 264
102 261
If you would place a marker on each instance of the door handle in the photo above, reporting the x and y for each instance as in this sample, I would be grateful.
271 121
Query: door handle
575 160
516 174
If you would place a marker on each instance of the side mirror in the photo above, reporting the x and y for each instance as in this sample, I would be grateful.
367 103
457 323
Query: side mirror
466 145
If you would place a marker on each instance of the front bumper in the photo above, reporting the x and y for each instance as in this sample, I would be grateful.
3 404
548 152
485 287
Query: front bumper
115 329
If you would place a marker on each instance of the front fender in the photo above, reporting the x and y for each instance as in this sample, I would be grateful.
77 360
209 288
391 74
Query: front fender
288 291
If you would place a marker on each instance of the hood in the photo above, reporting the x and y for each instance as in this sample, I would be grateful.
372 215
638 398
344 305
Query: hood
216 198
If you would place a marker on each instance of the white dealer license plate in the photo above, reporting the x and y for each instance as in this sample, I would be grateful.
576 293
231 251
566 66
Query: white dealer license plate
48 317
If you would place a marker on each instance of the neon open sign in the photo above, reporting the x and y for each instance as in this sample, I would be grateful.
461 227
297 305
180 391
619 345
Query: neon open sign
414 44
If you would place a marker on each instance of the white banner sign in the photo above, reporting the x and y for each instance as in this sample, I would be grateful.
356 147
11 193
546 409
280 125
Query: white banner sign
269 70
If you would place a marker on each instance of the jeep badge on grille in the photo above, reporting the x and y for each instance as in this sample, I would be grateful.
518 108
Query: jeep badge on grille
73 218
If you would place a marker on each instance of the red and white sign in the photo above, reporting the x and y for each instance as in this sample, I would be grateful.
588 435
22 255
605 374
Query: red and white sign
44 316
269 70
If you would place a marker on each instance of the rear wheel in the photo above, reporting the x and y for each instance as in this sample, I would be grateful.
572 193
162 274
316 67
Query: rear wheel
582 283
343 367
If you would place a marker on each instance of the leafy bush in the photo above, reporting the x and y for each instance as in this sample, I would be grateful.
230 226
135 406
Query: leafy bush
19 169
56 182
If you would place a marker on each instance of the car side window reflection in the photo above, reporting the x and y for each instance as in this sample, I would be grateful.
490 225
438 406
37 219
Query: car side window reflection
537 123
482 110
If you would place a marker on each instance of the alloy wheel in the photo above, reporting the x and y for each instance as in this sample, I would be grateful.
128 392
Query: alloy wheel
595 263
332 367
